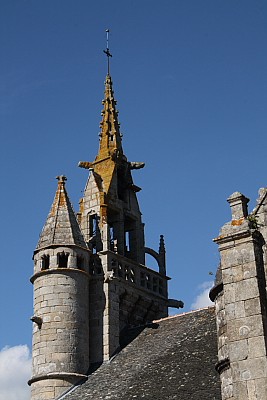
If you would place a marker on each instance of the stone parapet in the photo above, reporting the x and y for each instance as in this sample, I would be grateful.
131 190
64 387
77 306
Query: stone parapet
135 274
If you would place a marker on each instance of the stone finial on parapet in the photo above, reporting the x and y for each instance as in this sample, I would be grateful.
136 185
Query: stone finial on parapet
162 256
238 203
161 245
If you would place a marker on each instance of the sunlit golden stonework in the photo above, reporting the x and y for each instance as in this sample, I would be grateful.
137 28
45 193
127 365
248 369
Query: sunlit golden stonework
111 167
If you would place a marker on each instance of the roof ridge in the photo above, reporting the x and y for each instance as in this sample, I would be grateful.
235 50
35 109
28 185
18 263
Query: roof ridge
56 203
182 314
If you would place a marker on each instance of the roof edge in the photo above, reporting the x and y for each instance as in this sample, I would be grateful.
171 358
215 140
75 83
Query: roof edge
184 313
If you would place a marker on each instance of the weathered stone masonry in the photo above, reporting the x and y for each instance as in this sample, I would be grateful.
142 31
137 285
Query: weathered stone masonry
90 279
91 285
240 298
61 304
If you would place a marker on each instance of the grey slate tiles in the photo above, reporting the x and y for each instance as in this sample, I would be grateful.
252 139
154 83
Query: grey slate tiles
173 358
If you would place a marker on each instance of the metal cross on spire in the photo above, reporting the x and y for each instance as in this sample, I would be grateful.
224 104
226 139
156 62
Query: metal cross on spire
107 52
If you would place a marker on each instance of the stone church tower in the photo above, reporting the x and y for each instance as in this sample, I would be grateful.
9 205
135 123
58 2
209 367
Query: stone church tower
241 301
90 278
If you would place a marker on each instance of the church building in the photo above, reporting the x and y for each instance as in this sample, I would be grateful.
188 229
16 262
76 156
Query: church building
101 328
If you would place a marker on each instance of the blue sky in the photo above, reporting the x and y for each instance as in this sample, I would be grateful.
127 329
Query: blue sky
190 80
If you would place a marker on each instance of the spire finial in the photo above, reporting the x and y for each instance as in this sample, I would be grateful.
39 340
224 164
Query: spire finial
61 178
107 52
161 245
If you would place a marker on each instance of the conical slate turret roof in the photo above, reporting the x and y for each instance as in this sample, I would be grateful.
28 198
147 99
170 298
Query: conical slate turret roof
61 227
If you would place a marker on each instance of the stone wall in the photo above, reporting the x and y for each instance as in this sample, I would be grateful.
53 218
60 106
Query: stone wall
240 308
123 293
61 336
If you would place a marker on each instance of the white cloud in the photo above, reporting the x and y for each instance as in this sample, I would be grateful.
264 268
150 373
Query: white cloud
202 299
15 371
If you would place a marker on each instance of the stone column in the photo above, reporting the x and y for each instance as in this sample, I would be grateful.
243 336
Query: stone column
111 315
111 321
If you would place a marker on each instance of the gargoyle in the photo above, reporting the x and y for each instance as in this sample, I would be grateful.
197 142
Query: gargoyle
85 164
136 165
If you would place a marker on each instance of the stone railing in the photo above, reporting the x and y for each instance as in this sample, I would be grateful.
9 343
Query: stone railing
138 274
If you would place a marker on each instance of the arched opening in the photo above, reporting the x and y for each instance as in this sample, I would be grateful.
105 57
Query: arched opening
62 260
45 261
152 258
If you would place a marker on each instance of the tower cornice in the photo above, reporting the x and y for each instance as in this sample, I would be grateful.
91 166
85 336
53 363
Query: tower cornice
58 271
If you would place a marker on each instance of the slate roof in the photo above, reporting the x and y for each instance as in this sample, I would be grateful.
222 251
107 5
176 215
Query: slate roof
61 226
173 358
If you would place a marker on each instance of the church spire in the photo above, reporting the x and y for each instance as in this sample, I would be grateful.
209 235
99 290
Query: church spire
110 136
110 154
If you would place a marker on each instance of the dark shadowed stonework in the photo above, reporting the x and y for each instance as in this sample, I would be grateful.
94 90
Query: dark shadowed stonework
173 358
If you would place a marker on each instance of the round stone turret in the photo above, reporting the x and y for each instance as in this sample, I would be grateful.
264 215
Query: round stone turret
61 294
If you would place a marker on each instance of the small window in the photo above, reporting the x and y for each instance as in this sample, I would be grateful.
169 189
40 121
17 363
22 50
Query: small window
45 262
92 225
111 236
62 260
80 262
127 241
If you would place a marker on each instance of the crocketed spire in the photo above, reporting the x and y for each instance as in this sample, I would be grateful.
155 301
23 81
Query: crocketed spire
110 136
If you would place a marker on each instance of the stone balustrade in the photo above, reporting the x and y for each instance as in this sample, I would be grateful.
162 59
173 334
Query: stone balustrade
134 273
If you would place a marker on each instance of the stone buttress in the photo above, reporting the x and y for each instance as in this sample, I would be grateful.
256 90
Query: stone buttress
240 298
60 349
